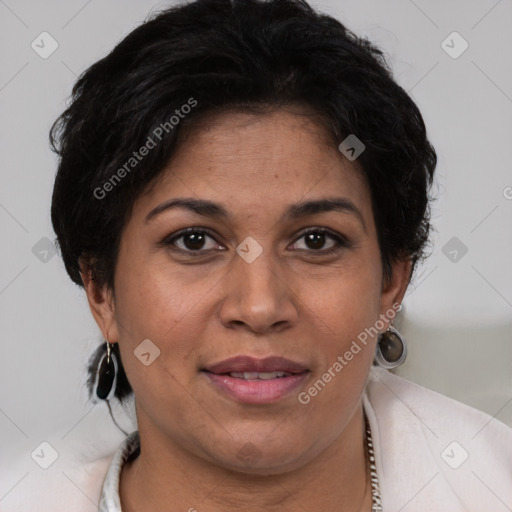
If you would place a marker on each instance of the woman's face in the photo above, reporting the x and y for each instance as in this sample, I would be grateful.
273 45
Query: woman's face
271 271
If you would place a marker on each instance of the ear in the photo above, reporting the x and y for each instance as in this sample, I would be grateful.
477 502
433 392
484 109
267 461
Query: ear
394 287
101 303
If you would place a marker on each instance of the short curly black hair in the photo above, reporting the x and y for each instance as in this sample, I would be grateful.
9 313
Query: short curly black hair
213 55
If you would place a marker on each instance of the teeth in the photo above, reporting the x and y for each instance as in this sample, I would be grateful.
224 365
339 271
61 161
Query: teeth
258 375
270 375
251 375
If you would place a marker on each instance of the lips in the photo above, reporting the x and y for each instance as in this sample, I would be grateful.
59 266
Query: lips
256 381
248 364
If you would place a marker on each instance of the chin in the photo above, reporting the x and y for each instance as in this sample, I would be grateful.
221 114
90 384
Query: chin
259 455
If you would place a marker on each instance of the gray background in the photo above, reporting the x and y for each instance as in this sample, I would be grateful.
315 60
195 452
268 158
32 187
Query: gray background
458 314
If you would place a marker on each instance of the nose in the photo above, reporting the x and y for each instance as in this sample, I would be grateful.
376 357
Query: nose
259 296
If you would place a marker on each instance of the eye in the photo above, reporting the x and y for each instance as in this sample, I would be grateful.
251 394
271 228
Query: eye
315 240
191 240
194 240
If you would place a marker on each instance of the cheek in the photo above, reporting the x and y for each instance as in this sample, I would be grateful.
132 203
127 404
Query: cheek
343 311
348 300
154 300
345 339
156 303
347 353
157 307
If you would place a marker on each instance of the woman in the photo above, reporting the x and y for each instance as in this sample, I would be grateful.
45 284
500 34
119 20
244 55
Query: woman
243 194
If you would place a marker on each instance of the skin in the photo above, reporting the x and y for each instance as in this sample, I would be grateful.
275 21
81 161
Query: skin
292 301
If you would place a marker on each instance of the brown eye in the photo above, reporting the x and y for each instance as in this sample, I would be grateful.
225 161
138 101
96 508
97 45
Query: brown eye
191 240
194 241
316 239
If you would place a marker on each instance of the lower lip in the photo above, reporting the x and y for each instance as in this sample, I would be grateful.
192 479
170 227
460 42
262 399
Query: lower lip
257 391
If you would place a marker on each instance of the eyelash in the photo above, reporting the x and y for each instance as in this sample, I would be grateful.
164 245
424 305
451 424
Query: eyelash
341 241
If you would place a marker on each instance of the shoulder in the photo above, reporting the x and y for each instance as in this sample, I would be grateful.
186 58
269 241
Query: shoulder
72 486
408 398
432 448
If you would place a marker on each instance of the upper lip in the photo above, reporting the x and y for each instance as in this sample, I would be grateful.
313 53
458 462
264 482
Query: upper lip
253 364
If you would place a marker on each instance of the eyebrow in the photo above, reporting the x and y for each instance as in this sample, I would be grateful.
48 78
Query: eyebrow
208 208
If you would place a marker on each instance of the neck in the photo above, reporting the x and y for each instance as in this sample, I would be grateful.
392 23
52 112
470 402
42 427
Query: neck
164 473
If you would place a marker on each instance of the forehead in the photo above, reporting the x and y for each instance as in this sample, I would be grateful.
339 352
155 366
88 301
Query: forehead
248 159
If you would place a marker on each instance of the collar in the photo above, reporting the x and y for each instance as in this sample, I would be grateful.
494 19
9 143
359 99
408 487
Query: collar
128 450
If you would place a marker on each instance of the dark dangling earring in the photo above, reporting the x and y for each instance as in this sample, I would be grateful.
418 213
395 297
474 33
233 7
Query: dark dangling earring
106 375
391 349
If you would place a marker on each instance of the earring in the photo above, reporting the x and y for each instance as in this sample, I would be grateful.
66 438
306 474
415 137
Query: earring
106 375
391 349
